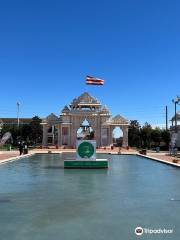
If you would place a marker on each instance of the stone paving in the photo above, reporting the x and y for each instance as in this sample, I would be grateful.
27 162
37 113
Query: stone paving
164 156
6 155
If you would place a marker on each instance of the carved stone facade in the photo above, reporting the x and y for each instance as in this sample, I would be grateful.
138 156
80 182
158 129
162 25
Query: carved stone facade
62 131
175 130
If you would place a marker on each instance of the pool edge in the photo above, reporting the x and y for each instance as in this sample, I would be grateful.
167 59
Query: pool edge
11 159
131 154
158 160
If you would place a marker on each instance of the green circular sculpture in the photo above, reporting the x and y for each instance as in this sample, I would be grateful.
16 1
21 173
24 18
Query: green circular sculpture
85 150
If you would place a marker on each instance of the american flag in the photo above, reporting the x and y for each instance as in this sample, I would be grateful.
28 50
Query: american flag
94 81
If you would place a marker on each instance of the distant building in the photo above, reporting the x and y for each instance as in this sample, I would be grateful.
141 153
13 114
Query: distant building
14 121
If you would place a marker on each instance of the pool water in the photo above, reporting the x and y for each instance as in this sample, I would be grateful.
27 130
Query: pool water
40 200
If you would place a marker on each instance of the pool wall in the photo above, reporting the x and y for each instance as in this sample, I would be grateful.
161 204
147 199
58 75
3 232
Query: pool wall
132 153
15 158
158 160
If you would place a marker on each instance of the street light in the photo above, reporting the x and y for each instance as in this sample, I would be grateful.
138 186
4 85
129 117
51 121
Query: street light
18 104
176 101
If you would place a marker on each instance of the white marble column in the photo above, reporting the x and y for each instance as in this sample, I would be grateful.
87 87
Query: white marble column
44 143
59 135
110 141
53 135
125 136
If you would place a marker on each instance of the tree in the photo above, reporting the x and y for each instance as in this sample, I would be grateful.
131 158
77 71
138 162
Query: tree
25 132
146 132
36 130
156 136
166 136
134 137
146 136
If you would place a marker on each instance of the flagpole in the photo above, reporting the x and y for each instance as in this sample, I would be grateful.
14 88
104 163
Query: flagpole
85 86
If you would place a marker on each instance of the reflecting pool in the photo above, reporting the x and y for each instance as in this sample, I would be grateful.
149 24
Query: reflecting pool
40 200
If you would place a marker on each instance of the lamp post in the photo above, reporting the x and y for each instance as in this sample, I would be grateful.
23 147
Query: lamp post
176 101
166 118
18 104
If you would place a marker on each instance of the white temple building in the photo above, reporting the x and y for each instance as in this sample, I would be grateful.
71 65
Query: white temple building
62 130
175 130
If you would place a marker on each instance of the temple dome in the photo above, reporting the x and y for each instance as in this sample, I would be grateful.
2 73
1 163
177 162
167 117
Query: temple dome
118 119
85 99
52 117
66 109
105 111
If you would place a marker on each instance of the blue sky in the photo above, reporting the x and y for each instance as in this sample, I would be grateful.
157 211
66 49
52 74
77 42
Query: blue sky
48 47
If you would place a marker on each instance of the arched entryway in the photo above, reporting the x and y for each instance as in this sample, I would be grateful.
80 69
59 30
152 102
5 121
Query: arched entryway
85 131
117 137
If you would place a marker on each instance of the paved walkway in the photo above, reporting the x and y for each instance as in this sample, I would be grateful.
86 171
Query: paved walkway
5 155
164 156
